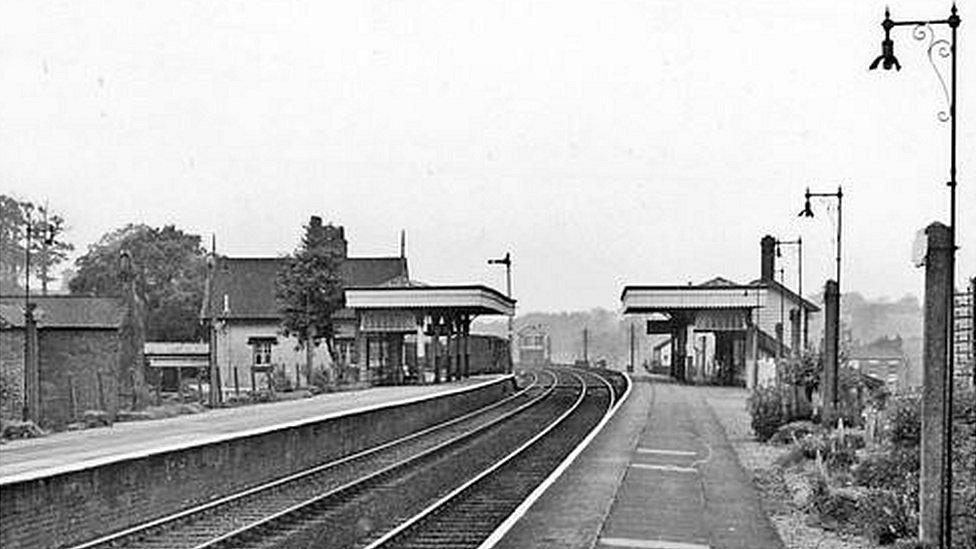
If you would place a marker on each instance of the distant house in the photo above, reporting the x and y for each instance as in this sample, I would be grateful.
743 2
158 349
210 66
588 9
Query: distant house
78 346
247 339
171 362
882 360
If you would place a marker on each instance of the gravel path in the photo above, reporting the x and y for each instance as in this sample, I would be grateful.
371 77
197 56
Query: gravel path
729 404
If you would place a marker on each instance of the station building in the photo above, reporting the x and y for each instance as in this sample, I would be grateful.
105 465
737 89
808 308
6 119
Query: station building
392 330
722 331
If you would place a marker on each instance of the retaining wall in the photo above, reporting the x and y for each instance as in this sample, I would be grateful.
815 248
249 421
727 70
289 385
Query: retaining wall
72 507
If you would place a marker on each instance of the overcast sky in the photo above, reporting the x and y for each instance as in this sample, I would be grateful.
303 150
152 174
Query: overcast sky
602 143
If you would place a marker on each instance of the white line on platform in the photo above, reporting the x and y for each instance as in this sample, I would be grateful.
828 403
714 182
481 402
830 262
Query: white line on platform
650 544
672 468
666 452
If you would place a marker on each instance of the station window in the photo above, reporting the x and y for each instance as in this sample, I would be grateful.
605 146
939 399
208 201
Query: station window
262 352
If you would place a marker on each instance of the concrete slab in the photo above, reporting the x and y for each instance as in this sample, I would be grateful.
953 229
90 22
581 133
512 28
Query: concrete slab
661 475
75 450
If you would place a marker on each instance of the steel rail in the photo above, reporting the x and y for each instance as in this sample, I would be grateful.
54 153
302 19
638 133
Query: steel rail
506 525
209 506
454 494
267 521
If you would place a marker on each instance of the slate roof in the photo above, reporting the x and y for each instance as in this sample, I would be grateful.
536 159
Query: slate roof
64 311
249 282
776 286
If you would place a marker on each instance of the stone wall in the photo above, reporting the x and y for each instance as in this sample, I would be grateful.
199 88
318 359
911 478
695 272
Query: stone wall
76 506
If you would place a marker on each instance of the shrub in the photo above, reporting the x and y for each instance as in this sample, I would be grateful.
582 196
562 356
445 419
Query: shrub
892 469
883 516
835 509
794 431
320 379
765 405
837 449
902 421
21 429
280 381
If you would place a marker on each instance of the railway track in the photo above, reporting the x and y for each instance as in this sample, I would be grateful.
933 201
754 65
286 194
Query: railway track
468 516
382 497
202 524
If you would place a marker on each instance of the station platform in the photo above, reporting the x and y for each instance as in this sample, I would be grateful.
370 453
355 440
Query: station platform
660 475
77 450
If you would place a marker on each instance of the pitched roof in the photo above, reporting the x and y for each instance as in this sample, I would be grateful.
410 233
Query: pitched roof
793 296
249 282
64 311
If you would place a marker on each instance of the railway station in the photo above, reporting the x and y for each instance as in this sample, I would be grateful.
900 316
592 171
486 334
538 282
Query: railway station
722 331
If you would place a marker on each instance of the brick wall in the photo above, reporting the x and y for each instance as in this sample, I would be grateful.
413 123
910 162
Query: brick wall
71 364
12 373
73 507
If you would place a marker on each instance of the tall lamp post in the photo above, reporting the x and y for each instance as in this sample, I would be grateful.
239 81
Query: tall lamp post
47 234
923 30
833 360
507 262
799 279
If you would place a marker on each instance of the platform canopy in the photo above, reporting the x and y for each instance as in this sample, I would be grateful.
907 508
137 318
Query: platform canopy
668 299
467 300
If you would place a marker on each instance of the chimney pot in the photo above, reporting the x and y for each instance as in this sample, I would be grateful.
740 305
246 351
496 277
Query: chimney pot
767 269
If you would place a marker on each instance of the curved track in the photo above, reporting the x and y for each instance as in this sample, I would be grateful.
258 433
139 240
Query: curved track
200 525
469 515
448 485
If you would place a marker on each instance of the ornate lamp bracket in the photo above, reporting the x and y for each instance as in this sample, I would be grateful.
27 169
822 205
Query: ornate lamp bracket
937 48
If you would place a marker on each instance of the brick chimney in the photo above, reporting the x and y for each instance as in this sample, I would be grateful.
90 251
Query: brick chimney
335 239
328 236
768 259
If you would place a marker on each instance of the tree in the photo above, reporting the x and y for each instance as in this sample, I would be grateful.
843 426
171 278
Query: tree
12 225
169 270
309 291
47 249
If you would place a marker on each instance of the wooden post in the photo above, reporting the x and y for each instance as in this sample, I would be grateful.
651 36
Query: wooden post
467 351
179 382
159 386
934 459
101 391
630 367
452 350
237 383
73 397
434 344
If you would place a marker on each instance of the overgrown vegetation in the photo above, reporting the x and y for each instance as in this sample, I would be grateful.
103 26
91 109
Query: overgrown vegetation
868 484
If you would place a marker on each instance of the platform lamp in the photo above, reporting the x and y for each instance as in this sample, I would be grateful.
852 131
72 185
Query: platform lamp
923 30
799 279
833 362
507 262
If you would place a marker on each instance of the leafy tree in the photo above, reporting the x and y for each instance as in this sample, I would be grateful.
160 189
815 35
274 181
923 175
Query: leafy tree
47 249
309 291
12 224
169 267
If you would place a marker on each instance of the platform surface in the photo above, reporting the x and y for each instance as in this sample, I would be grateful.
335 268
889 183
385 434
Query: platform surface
73 450
661 475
